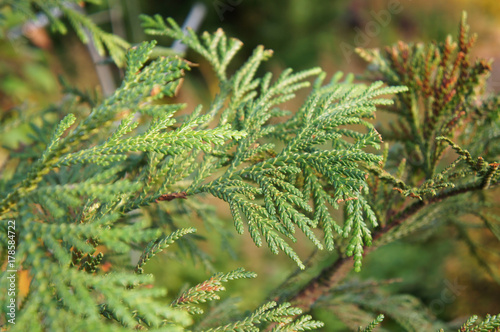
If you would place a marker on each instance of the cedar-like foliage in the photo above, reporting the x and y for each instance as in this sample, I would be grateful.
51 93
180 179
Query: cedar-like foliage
316 162
82 192
439 159
444 110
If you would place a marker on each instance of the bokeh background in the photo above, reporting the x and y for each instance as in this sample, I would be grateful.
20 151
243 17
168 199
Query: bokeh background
303 34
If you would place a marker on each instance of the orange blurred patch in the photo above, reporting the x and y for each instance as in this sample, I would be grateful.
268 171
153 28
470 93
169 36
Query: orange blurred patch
106 267
24 283
156 90
39 37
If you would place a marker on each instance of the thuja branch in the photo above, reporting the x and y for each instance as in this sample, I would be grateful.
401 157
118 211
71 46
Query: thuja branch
333 274
43 166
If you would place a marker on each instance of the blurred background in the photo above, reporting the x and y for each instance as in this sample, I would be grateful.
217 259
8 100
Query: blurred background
303 34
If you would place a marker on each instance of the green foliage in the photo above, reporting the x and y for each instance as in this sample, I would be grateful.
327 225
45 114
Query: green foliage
443 153
489 324
116 176
271 312
373 324
443 106
206 291
444 87
101 172
315 156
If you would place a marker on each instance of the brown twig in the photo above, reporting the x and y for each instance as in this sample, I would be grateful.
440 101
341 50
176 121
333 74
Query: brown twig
172 196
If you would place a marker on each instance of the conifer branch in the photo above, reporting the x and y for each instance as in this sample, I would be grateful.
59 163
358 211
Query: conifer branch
372 325
489 324
78 205
207 290
332 275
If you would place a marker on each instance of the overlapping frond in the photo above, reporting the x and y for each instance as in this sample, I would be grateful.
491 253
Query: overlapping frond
125 175
269 188
489 324
372 325
207 290
272 313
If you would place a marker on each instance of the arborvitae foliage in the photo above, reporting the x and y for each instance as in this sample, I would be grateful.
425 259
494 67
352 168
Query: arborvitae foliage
444 110
268 188
81 192
72 204
440 158
445 85
491 323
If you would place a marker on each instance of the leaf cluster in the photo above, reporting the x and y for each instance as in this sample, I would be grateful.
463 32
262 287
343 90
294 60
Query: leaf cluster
119 175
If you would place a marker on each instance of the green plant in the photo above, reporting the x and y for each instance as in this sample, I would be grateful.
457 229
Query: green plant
82 192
